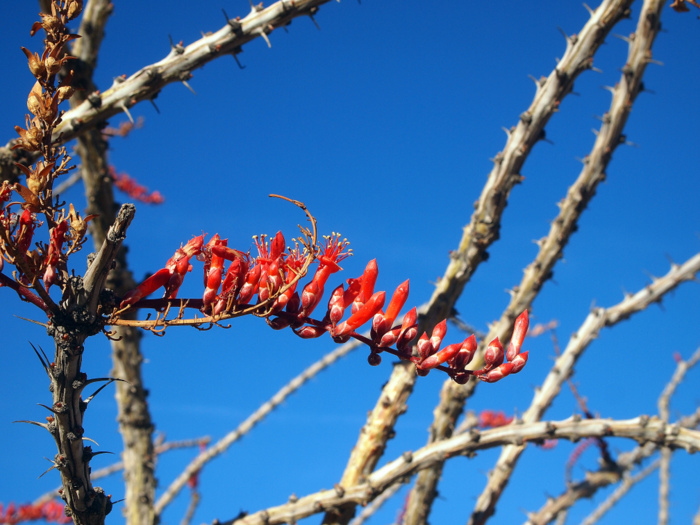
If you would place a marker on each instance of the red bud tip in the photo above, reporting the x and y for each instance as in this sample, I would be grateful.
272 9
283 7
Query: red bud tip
519 332
397 301
362 315
497 373
439 358
519 362
493 356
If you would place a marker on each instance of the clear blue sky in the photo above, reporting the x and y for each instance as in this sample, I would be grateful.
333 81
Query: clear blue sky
383 123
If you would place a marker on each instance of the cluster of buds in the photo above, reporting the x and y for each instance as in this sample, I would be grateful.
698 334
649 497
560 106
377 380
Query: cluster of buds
33 206
45 96
50 511
493 419
266 285
34 260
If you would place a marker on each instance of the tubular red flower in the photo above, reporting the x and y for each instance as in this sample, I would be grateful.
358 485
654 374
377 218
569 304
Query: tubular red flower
352 291
493 418
132 188
234 279
25 232
147 287
250 285
179 265
277 246
227 253
333 252
57 238
270 281
310 296
447 353
397 301
213 270
383 322
519 333
367 282
362 315
292 263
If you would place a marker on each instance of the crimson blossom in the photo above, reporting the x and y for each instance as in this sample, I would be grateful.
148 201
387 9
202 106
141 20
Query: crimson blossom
266 285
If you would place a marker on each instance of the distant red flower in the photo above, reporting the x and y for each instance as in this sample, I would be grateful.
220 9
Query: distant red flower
494 418
51 511
133 189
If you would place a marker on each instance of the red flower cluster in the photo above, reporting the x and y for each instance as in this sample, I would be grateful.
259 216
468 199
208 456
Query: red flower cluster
36 260
272 276
133 189
494 418
52 511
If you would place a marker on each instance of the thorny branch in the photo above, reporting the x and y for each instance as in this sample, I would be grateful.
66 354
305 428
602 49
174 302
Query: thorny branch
642 429
178 65
82 303
623 465
485 223
564 366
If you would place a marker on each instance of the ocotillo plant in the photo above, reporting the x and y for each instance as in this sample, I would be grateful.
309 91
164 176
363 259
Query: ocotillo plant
296 287
264 285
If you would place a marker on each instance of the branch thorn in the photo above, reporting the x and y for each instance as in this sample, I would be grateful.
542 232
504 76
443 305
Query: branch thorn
187 85
126 110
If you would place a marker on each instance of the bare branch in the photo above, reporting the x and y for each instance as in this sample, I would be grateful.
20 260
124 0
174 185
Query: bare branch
178 65
605 476
453 397
481 232
564 366
642 429
627 483
664 413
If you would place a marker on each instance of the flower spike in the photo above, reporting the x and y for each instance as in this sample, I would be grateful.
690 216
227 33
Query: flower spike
273 276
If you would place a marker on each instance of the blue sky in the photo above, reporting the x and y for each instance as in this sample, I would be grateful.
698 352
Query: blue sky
383 123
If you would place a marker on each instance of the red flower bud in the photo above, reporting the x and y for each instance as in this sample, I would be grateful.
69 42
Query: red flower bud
519 333
397 301
519 362
146 288
497 373
465 354
383 323
336 306
310 332
368 280
424 347
276 246
362 315
438 334
250 286
310 297
493 356
440 357
409 331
